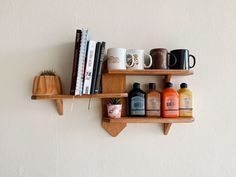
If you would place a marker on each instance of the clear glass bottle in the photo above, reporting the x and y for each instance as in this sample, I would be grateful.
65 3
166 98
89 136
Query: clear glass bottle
153 101
137 101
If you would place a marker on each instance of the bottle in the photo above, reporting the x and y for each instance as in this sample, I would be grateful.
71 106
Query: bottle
170 101
137 101
185 101
153 101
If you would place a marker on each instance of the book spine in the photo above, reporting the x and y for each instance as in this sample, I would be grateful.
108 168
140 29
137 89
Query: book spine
95 67
89 67
81 63
99 75
75 61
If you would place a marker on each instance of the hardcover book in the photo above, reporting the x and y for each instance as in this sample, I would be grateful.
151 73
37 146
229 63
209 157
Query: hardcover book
95 66
75 61
89 67
81 63
99 75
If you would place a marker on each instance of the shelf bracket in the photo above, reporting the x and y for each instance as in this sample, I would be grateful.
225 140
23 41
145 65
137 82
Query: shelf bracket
113 128
167 78
167 128
59 104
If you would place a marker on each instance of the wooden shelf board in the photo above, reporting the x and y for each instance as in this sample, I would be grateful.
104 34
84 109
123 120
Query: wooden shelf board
56 97
150 120
160 72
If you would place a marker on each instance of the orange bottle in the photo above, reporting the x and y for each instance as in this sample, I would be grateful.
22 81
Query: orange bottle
170 102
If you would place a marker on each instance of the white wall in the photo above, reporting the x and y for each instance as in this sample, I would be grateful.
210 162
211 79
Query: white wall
36 142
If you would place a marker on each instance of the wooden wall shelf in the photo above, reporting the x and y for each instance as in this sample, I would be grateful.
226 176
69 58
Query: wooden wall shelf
114 86
160 72
56 97
59 98
115 81
151 120
119 124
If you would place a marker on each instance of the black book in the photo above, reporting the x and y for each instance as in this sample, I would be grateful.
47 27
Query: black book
99 74
75 61
95 67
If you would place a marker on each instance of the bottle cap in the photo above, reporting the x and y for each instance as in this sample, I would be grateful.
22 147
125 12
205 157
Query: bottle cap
152 86
136 85
183 85
168 85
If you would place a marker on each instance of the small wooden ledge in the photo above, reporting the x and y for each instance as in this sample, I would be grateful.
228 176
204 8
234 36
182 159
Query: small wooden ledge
59 98
102 95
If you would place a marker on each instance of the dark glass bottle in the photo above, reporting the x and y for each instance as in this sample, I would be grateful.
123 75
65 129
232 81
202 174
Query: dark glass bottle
137 101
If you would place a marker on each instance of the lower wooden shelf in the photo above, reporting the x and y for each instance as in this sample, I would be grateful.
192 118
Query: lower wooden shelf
151 120
115 126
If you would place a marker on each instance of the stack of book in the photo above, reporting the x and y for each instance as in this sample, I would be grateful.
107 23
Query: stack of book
87 64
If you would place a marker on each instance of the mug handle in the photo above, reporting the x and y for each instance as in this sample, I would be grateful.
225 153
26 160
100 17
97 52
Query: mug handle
194 61
169 60
132 59
150 61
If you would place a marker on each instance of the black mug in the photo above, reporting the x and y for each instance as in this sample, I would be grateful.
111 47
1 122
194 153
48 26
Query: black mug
183 59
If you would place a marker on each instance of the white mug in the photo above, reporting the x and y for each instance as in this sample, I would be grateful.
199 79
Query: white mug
117 59
139 57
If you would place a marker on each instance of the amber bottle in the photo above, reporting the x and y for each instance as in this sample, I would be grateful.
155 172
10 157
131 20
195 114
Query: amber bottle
153 101
170 102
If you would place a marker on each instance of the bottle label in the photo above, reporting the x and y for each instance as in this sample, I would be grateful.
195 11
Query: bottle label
153 106
137 105
171 106
185 106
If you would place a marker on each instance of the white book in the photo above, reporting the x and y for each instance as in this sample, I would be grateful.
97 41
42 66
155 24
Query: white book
89 67
81 63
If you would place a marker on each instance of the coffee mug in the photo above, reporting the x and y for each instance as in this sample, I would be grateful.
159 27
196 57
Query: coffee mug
139 57
117 59
183 59
160 59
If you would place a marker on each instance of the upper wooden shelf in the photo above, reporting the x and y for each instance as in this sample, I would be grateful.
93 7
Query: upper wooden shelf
151 120
58 97
160 72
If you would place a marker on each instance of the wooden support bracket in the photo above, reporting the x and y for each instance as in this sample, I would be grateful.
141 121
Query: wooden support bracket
166 128
59 104
167 78
113 128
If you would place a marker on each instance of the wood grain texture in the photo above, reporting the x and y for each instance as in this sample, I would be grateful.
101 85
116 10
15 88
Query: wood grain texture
160 72
166 128
59 104
113 128
150 120
113 84
47 85
55 97
167 78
